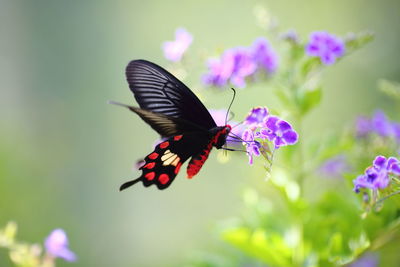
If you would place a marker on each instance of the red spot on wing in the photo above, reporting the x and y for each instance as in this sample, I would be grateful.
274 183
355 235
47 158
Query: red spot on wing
178 137
178 167
149 165
197 162
164 144
150 176
153 155
164 178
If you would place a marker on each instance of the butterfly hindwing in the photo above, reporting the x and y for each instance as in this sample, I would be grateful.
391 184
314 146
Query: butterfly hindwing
164 163
164 125
157 90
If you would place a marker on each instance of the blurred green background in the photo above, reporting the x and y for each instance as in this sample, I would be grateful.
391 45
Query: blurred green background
64 151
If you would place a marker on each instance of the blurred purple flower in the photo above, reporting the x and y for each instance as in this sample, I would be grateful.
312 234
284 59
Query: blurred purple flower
363 126
279 131
381 124
377 176
219 118
257 117
252 146
334 167
291 36
264 55
57 245
220 70
174 50
243 66
396 131
237 64
368 260
326 46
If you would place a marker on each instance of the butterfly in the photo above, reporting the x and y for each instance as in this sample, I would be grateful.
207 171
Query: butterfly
185 125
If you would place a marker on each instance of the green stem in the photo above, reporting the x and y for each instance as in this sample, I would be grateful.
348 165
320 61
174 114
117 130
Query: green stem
384 198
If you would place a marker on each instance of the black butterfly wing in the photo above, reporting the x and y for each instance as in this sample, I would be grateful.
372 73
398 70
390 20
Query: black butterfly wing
163 164
158 91
164 125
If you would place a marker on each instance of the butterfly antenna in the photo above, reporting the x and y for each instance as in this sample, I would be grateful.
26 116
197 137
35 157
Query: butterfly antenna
229 108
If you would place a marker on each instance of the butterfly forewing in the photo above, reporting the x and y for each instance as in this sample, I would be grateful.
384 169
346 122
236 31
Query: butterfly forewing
157 90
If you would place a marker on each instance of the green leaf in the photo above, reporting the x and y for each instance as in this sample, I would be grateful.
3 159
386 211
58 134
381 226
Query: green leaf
308 99
390 88
309 66
356 41
269 248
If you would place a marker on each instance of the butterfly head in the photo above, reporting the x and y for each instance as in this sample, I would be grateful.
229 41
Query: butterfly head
220 136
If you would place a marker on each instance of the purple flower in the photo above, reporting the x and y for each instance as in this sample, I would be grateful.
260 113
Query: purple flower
279 131
326 46
257 117
377 176
264 55
237 64
243 66
291 36
274 129
396 130
57 245
363 126
219 118
220 70
174 50
252 146
334 167
381 124
368 260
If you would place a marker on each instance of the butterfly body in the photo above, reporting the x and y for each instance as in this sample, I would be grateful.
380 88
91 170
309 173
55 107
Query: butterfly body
172 110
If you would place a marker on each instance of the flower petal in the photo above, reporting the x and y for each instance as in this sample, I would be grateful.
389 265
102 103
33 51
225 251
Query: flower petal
257 116
57 245
271 123
290 137
284 125
380 162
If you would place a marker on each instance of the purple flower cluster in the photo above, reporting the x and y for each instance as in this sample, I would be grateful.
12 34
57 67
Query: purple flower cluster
326 46
237 64
334 167
263 126
57 245
174 50
377 176
378 124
